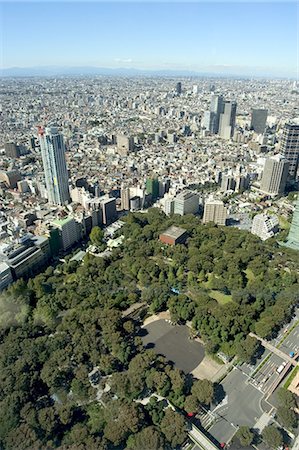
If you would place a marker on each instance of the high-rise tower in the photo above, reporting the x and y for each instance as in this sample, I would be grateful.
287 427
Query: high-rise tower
258 120
289 146
275 175
55 170
228 120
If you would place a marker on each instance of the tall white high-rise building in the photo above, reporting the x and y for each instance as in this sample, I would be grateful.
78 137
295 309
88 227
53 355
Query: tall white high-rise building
275 175
55 170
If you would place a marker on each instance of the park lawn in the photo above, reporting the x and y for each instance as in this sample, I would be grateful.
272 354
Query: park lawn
207 284
249 274
283 223
71 278
221 298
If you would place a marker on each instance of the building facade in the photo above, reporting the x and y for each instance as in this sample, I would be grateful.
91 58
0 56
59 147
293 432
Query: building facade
275 175
55 170
186 203
258 120
264 226
228 120
215 211
12 150
293 236
289 146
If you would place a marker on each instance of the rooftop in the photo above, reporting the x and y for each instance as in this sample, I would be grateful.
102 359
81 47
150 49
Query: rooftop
61 222
174 232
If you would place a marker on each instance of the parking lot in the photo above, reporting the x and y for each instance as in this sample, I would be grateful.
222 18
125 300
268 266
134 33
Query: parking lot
173 342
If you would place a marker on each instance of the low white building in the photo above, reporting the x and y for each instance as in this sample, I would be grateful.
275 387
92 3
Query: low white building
264 226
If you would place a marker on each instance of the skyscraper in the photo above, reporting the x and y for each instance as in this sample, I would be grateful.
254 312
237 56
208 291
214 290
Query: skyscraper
289 146
293 236
178 88
152 187
216 108
228 120
258 120
53 156
275 175
125 197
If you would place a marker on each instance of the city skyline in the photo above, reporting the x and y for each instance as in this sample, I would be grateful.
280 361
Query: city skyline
255 39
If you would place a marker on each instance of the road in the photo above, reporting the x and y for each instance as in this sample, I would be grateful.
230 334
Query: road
284 330
242 406
291 343
296 444
275 350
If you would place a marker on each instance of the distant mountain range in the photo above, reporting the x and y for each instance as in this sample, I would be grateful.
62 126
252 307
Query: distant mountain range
51 71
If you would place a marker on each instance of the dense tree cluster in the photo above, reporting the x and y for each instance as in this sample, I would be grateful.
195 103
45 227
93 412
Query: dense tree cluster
59 326
287 404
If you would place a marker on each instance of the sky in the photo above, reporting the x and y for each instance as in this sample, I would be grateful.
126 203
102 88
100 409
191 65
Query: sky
236 38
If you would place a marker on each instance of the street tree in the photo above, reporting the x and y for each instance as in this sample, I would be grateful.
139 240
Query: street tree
272 436
174 427
245 435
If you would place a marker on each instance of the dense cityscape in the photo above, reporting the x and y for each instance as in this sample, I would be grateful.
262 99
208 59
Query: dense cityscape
149 227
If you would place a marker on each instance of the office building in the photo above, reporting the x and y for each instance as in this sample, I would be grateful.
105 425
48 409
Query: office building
216 108
174 235
135 203
186 203
23 186
5 276
289 146
209 121
169 206
109 210
125 198
227 120
275 175
68 232
12 150
152 187
178 88
55 170
125 144
215 211
27 257
228 183
293 236
258 120
264 226
10 178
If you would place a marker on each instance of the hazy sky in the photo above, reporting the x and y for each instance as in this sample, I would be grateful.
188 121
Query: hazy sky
241 38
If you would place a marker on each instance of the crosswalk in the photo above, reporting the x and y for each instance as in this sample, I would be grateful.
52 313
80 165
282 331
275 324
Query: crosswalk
206 419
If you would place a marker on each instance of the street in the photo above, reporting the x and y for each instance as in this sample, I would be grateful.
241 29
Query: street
242 406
